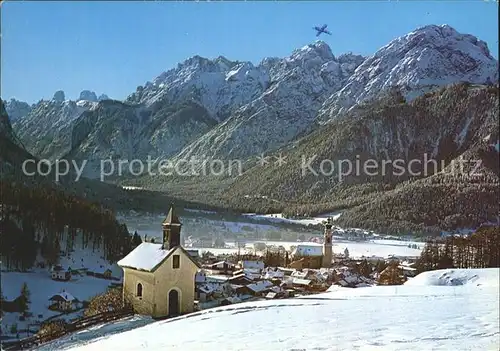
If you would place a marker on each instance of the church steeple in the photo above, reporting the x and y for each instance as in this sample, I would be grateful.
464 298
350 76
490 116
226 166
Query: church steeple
327 244
171 230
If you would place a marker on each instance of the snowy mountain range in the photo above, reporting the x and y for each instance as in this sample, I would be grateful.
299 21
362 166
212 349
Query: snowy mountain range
427 58
237 109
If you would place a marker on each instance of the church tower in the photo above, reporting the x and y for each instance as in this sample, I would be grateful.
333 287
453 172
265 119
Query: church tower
171 230
327 244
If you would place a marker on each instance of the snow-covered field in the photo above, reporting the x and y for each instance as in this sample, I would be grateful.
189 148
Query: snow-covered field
379 248
430 312
278 217
42 287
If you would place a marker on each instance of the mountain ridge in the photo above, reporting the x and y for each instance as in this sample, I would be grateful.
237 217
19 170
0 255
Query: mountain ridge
430 92
260 108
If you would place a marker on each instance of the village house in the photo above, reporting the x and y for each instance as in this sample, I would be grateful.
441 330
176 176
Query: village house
159 278
240 279
392 275
273 273
222 267
60 274
248 273
63 302
408 271
242 291
251 266
260 288
210 290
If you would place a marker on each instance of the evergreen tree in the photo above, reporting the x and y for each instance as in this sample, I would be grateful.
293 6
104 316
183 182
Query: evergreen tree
136 239
25 298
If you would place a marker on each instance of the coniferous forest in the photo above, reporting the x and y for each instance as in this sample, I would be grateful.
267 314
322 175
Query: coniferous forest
478 250
37 219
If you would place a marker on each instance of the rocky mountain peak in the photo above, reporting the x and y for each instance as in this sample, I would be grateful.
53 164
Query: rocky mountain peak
224 63
59 96
88 95
318 49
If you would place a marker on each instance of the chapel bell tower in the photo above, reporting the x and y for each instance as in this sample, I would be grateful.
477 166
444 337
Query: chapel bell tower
171 230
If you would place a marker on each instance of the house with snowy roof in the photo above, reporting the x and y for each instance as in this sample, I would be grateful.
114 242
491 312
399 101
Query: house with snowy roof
62 301
159 278
60 274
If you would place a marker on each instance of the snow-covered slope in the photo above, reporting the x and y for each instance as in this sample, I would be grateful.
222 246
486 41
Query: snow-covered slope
373 318
455 277
422 60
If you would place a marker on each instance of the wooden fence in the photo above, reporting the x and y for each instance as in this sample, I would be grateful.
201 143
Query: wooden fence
79 324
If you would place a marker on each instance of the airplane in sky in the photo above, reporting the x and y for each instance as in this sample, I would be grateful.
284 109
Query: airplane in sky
321 29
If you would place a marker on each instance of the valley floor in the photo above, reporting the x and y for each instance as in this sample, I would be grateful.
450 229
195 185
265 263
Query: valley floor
438 310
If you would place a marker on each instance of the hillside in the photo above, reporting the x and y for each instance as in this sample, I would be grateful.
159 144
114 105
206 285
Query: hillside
440 128
301 323
126 132
449 200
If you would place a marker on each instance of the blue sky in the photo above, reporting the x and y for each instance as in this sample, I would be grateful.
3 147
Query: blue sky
112 47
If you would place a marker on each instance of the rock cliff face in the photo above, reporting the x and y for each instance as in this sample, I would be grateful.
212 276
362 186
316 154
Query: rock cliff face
46 130
123 131
6 131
